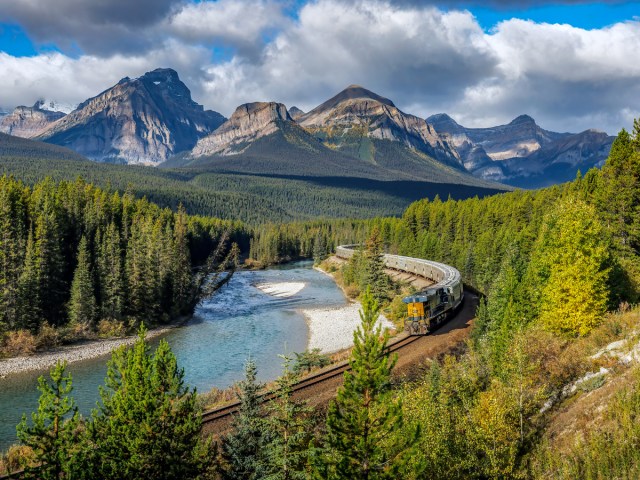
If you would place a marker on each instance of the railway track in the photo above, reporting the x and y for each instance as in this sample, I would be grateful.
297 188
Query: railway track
226 411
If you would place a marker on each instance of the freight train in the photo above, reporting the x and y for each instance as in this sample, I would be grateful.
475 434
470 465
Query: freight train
430 307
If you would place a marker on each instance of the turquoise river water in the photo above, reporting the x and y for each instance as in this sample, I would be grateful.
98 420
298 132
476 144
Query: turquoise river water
240 321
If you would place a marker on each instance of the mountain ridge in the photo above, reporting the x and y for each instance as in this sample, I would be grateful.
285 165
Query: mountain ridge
142 120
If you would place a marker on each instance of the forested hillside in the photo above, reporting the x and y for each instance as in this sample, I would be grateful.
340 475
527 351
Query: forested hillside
552 263
252 198
76 260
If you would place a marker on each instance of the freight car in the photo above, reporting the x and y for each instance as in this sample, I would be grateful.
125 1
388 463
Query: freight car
432 306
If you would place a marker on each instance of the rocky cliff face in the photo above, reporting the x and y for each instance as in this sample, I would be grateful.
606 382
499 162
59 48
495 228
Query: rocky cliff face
27 122
138 121
523 154
359 113
248 123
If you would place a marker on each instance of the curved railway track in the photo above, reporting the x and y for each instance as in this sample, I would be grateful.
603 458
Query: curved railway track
307 382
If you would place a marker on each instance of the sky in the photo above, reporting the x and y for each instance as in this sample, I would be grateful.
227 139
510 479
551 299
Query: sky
572 65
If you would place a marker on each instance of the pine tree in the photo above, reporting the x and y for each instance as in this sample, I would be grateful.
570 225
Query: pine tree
53 427
364 413
288 432
12 247
375 276
147 425
82 305
241 450
29 311
49 263
110 270
181 261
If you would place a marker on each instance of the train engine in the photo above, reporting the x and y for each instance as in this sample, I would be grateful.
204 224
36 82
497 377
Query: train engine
429 308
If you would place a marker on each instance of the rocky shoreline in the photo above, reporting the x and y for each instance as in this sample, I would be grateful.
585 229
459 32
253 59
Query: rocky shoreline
331 329
72 353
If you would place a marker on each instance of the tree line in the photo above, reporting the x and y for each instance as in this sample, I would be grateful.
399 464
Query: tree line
76 259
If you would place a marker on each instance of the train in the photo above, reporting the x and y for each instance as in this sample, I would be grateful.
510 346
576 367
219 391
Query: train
432 306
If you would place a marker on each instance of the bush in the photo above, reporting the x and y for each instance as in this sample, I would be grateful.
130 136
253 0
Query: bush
48 336
18 457
352 291
19 342
308 360
111 328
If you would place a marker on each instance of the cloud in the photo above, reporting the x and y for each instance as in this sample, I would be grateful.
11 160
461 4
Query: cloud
96 27
71 80
241 24
425 59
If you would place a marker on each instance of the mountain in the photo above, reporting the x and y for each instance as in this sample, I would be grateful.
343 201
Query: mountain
248 123
295 113
523 154
27 122
263 139
357 121
143 120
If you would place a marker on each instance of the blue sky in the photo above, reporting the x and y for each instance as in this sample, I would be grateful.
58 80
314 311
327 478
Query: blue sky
571 65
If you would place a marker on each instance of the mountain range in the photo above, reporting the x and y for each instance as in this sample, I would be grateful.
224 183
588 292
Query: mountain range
153 120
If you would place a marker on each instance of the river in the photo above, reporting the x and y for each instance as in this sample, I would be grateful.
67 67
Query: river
239 322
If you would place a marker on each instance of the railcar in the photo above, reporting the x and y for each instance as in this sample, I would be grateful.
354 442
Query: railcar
432 306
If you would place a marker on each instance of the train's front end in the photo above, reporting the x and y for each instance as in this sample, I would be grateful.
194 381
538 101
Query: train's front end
416 322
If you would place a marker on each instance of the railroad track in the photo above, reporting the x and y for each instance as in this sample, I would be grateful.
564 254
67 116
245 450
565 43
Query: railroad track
310 381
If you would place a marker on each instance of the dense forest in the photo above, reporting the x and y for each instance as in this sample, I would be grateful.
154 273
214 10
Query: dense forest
76 260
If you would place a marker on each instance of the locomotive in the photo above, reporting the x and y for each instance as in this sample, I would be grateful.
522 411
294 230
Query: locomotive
429 308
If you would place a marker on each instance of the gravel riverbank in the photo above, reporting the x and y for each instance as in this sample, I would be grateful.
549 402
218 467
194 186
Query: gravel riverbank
331 329
71 353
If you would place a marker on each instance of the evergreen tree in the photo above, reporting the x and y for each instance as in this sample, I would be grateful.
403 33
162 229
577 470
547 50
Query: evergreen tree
29 312
82 305
49 263
375 277
242 449
12 232
364 413
288 432
53 427
112 292
147 425
181 276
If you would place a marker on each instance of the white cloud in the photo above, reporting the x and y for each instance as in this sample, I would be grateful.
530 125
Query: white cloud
240 23
424 59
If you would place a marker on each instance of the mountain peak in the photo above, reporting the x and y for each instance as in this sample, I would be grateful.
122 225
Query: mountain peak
352 92
522 119
138 120
248 123
443 123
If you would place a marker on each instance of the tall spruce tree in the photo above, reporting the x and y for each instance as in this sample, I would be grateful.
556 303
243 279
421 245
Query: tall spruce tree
110 274
364 413
28 308
181 262
288 432
82 305
242 449
53 429
375 276
49 263
148 424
